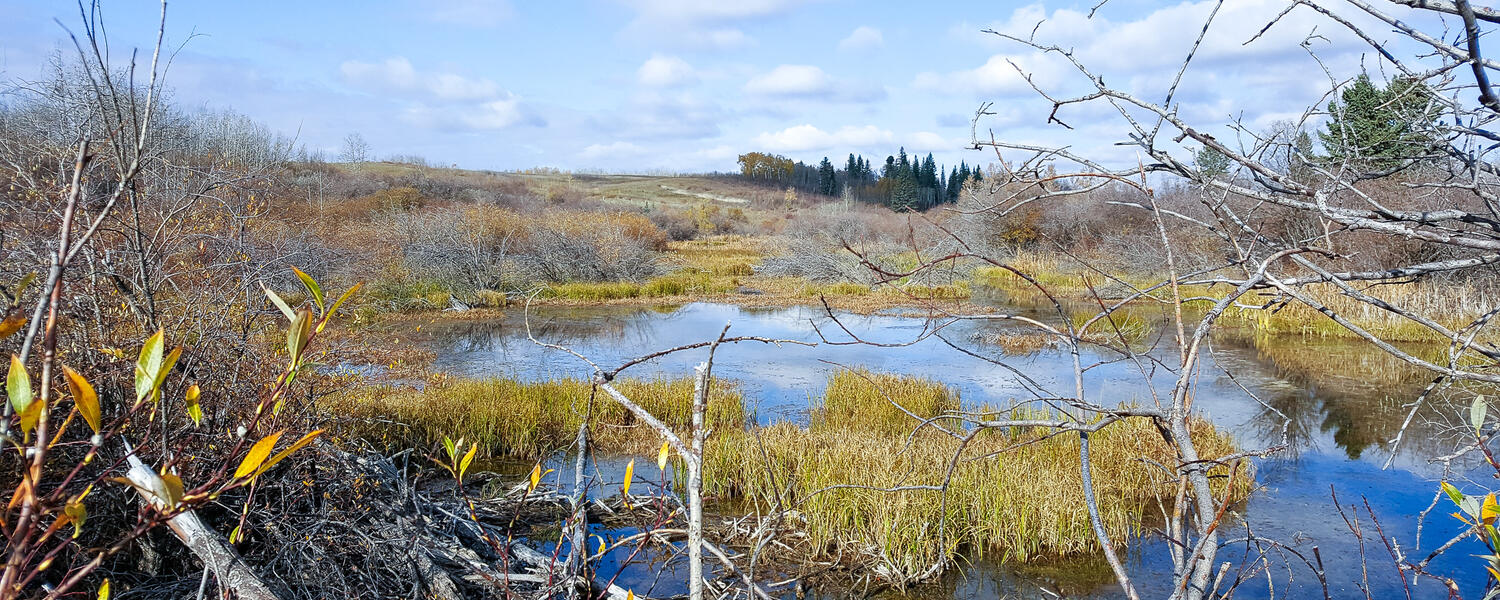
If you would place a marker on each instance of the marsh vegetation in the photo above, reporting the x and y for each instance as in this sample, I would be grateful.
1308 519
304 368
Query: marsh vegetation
232 360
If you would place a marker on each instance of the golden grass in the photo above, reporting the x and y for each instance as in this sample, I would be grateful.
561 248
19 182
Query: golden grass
1022 343
1023 503
666 286
1452 305
530 420
1128 323
842 288
870 399
728 256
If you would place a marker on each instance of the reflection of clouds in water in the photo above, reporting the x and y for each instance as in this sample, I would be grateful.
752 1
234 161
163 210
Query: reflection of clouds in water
1334 417
778 381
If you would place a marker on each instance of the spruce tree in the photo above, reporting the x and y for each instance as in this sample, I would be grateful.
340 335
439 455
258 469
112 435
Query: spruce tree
827 179
955 185
1379 126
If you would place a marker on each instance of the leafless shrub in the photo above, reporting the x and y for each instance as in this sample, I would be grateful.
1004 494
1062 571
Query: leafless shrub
604 253
467 250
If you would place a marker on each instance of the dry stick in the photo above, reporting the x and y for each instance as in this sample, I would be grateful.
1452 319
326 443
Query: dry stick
695 481
578 555
1098 522
695 470
207 544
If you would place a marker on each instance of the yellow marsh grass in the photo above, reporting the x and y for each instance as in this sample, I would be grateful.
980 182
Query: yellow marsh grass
529 420
676 284
1451 304
865 399
721 255
1020 504
843 288
1132 325
1022 343
1023 503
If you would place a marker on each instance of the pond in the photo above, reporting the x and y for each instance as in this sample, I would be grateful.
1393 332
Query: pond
1343 402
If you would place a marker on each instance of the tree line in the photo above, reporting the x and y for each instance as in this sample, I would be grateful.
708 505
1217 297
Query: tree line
903 182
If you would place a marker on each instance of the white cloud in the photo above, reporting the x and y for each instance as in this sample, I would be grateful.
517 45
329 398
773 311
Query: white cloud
862 38
927 141
495 114
803 138
613 152
999 76
791 80
665 71
398 75
446 101
809 82
661 115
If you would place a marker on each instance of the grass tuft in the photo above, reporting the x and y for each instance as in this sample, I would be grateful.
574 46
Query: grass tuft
527 421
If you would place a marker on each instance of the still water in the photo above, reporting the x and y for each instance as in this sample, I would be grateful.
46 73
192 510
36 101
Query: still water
1342 403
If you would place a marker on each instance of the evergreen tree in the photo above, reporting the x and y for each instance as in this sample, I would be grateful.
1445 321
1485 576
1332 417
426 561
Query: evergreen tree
955 185
1379 126
1210 162
827 179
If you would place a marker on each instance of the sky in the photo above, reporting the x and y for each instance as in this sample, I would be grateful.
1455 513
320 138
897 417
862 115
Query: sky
688 85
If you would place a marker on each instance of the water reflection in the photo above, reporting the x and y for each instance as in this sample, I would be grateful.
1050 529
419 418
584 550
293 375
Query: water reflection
1339 403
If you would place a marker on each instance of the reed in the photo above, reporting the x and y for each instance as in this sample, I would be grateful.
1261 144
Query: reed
721 255
1023 503
1015 493
843 288
529 420
862 399
666 286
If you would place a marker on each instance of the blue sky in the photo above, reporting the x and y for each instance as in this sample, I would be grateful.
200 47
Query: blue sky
684 85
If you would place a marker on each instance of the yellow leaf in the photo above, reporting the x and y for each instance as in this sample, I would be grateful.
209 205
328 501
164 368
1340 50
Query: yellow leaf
1489 510
257 455
77 514
104 589
468 458
661 457
83 397
193 410
18 385
11 324
536 478
629 594
174 489
629 475
31 416
298 334
297 445
148 366
311 285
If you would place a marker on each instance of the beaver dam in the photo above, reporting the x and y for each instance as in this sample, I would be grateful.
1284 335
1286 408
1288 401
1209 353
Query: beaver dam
807 442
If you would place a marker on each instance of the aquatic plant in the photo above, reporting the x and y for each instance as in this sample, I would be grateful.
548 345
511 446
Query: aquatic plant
529 420
863 484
